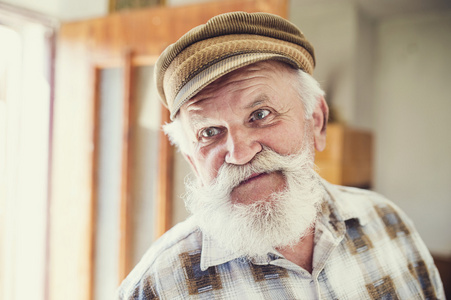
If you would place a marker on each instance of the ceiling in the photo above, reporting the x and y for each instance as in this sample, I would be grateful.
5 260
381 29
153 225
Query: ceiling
385 8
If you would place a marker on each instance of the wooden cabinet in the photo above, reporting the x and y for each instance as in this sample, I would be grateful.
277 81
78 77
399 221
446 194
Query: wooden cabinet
348 157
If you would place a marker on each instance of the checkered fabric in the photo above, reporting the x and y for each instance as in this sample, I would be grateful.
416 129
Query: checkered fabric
365 248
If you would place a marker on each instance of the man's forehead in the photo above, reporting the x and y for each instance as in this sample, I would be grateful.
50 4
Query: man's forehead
202 113
196 107
239 80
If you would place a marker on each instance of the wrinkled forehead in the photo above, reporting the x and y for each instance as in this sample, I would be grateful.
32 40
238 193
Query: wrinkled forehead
265 72
243 90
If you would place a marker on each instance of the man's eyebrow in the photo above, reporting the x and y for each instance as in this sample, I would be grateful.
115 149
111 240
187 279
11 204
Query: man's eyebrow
198 121
260 100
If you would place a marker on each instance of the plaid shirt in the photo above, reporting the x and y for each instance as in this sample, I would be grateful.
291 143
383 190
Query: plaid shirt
365 248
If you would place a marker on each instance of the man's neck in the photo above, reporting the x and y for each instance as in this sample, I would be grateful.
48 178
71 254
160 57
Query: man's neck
301 253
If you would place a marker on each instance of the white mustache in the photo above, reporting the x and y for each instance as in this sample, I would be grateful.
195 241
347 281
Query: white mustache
266 161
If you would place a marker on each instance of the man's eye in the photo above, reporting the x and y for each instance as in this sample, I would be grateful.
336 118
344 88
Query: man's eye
210 132
259 114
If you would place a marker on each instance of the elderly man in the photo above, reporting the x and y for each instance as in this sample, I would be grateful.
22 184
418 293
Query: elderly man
247 116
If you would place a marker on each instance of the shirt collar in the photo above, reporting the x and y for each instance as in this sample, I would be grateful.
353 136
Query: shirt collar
213 254
336 210
346 207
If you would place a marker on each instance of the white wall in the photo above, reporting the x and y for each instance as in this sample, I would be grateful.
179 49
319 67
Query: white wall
332 29
366 43
412 110
69 10
344 39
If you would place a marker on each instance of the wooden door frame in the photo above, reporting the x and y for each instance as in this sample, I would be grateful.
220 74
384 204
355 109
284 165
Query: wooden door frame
165 159
124 39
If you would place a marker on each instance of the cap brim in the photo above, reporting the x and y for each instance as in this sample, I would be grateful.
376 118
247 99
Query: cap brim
219 69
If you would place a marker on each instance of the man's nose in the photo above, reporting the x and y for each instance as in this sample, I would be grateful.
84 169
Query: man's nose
242 146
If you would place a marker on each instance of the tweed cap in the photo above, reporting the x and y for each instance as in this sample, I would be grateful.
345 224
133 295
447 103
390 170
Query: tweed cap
225 43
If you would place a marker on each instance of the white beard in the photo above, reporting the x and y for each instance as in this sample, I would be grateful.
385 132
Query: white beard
279 221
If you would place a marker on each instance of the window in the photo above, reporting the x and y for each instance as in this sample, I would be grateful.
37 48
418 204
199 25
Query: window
25 117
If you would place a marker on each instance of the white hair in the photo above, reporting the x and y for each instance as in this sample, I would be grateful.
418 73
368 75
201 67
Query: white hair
309 92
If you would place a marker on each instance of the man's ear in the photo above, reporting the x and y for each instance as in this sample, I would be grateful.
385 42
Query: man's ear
320 117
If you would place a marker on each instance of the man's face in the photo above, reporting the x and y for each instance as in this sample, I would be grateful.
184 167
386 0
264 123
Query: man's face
232 119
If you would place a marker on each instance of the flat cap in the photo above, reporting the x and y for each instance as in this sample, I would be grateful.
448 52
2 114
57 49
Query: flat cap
225 43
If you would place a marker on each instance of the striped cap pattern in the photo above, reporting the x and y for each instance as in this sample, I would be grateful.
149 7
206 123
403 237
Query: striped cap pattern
225 43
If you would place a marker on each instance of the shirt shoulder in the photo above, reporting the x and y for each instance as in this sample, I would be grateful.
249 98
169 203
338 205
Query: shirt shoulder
162 264
378 230
365 205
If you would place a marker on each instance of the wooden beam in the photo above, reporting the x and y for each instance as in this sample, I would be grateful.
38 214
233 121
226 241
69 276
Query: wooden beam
126 201
92 226
165 182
